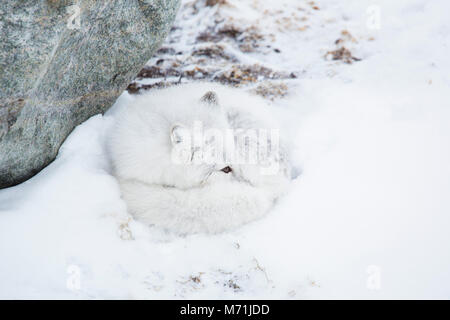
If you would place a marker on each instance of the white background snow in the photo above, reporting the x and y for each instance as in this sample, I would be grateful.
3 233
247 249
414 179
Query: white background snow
369 216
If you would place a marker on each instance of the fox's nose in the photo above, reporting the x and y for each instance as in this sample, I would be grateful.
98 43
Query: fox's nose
227 169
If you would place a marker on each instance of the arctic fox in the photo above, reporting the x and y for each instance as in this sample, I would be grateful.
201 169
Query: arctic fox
166 151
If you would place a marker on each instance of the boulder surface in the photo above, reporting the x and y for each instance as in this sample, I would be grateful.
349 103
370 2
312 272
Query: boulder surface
63 61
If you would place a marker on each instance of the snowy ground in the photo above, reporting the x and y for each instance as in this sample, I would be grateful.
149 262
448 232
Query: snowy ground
369 217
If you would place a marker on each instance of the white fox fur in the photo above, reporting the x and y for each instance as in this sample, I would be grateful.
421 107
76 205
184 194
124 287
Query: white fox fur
192 197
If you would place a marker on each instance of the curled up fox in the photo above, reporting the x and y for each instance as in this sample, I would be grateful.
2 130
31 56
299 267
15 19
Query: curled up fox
198 158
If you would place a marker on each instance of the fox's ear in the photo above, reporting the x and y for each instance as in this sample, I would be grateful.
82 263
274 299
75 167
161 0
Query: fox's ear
179 134
210 98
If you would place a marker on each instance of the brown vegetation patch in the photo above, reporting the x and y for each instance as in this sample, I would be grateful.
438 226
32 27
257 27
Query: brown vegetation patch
342 54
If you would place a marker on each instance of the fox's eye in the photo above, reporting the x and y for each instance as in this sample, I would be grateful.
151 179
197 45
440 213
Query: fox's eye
227 169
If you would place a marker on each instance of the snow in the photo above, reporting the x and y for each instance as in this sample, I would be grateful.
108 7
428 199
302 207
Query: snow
368 217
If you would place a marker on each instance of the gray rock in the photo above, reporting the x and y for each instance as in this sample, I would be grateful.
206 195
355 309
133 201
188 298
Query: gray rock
62 61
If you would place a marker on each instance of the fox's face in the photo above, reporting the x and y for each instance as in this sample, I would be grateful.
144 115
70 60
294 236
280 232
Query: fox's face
197 146
207 150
